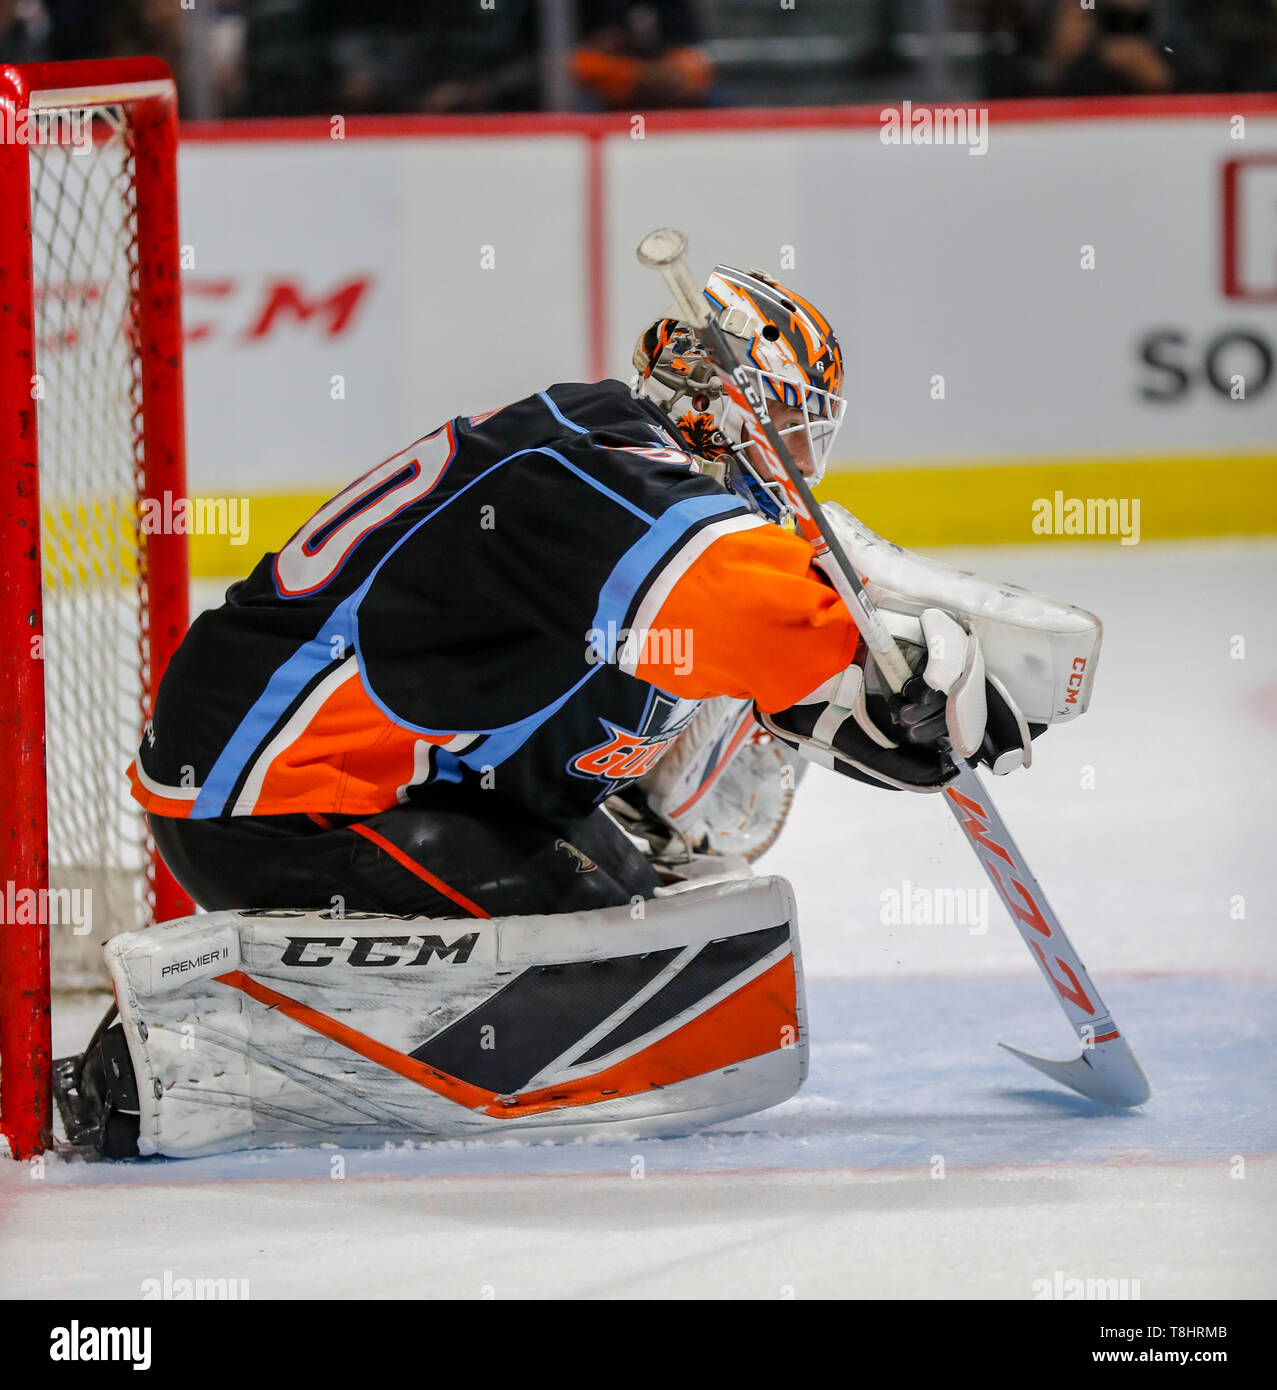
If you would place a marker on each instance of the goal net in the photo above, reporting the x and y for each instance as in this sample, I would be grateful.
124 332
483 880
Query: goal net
93 600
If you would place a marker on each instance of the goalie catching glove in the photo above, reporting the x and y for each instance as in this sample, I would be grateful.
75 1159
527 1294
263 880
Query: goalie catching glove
855 724
993 665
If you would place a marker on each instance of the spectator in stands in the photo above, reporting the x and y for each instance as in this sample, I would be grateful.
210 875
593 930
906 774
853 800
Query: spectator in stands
296 62
327 56
629 55
1228 45
1106 51
34 31
293 57
1015 35
484 60
25 31
641 55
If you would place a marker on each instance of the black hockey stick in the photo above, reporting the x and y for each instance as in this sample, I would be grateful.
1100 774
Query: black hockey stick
1107 1070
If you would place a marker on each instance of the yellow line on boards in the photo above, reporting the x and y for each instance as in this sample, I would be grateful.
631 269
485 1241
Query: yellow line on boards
272 518
963 504
1019 503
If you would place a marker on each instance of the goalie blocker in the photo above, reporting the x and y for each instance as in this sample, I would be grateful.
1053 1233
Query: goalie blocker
248 1029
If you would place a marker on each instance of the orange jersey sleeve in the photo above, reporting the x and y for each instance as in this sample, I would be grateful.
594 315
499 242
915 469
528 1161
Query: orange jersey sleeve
741 611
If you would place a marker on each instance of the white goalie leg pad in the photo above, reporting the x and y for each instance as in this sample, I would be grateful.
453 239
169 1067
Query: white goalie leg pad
299 1028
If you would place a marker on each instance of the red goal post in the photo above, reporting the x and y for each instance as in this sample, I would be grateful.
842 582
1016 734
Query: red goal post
91 607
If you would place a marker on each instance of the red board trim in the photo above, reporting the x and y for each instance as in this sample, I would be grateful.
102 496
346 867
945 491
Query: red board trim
725 121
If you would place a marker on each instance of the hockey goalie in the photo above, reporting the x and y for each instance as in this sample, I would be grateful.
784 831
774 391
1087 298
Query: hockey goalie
469 776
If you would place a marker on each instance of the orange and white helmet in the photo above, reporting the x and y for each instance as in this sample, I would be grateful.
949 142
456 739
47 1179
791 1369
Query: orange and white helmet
783 337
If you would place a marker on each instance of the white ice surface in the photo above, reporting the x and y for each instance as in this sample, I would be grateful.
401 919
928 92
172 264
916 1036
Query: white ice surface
836 1193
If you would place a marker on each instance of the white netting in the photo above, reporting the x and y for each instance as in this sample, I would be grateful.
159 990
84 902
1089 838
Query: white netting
84 222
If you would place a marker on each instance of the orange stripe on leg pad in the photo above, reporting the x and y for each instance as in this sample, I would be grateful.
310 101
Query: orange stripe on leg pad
758 1018
462 1092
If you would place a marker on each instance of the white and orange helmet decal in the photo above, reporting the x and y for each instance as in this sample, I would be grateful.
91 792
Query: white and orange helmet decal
792 346
801 350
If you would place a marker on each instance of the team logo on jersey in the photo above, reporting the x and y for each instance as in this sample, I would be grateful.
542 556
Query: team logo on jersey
622 756
626 753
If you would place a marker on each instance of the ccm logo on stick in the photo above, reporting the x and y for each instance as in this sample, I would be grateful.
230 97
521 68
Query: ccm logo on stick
976 824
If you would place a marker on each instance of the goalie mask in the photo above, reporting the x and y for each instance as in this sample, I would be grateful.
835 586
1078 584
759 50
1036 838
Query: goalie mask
797 361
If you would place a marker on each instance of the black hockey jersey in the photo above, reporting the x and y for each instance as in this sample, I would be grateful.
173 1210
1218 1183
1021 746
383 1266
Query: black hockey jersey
531 601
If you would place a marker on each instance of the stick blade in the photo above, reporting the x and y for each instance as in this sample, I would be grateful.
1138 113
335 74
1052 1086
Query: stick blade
662 247
1107 1072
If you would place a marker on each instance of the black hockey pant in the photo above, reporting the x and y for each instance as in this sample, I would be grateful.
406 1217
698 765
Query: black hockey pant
450 860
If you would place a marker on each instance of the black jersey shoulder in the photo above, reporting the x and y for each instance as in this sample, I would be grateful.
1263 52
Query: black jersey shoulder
476 603
567 410
553 540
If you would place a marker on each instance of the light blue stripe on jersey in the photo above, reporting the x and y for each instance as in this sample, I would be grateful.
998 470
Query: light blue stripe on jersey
618 593
529 725
636 565
503 742
559 415
446 767
600 487
291 678
615 599
286 683
662 437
